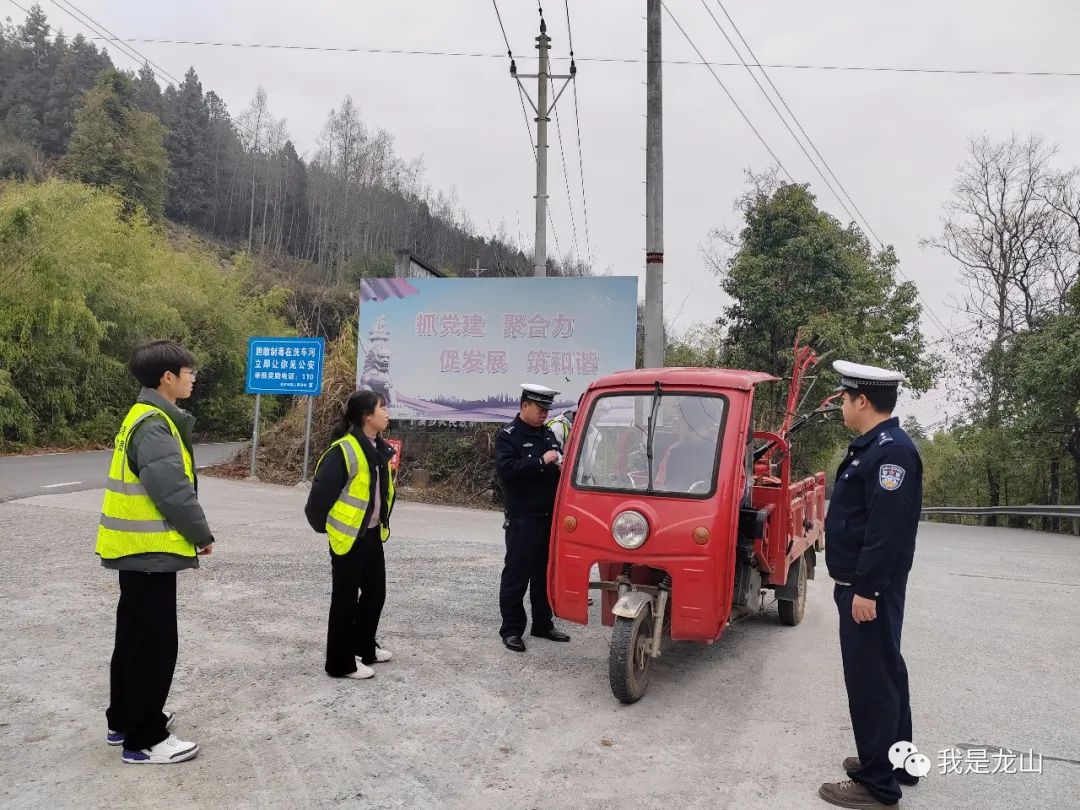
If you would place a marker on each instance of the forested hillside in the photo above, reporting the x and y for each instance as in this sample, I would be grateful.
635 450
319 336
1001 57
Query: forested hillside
130 211
235 175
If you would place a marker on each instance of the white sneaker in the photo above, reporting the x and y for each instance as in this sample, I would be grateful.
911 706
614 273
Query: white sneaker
363 671
382 656
117 737
167 752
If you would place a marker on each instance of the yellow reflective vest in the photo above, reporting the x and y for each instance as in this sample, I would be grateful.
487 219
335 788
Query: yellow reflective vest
130 521
347 516
561 427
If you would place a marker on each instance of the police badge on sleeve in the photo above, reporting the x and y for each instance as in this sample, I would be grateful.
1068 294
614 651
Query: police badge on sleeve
891 476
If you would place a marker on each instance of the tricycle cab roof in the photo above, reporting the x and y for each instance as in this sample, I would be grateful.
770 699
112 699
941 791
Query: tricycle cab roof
731 379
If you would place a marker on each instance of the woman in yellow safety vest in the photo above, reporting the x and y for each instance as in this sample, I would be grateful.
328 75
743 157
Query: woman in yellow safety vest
350 502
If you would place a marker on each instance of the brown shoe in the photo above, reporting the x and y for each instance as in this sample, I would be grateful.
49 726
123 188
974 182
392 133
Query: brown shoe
850 793
852 764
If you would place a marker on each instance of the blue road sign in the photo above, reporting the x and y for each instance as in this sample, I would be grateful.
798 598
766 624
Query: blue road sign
285 365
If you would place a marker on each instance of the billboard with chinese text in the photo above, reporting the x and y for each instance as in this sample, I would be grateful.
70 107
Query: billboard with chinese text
458 349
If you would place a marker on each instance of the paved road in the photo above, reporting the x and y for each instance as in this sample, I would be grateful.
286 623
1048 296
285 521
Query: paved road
24 476
757 720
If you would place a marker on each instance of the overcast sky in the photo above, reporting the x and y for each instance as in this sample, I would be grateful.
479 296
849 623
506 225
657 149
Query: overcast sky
893 139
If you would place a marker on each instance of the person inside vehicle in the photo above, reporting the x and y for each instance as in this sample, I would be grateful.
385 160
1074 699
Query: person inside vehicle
688 464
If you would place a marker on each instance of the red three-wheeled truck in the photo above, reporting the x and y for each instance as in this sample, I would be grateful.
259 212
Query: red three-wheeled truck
689 513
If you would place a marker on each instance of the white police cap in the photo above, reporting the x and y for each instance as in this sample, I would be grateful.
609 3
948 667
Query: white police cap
856 375
540 394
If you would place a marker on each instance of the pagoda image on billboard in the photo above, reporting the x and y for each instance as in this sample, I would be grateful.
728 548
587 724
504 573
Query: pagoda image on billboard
376 374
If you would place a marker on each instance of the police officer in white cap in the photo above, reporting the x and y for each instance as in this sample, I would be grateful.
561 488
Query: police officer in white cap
870 543
528 460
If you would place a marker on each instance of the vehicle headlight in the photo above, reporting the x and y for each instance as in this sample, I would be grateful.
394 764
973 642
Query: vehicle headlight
630 529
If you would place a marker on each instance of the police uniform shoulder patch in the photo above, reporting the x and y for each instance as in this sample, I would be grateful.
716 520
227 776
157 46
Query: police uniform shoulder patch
891 476
884 439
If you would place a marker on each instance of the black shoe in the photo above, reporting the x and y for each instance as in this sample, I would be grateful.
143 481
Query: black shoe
514 643
850 793
552 635
851 764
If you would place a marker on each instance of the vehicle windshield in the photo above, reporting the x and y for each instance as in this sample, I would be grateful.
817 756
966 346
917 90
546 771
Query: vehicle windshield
654 443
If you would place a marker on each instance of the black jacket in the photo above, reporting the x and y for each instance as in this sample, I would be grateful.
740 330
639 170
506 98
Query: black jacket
331 475
874 511
528 484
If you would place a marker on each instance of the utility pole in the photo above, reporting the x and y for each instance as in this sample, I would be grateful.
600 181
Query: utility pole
543 42
654 195
543 115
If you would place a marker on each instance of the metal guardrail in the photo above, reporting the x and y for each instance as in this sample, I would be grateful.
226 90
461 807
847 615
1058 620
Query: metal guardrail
1062 511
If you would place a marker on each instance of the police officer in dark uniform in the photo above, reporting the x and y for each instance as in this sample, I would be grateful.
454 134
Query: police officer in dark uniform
528 460
870 543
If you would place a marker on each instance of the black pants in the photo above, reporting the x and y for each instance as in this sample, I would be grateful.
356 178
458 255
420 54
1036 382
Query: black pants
525 568
354 621
144 658
877 686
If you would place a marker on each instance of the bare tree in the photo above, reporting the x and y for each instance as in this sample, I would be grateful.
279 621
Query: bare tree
253 121
1002 229
724 241
1061 192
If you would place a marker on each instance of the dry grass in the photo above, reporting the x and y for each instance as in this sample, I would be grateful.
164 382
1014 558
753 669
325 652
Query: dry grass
280 458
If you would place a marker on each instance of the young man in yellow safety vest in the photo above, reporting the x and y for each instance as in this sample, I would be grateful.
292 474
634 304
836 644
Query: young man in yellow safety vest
151 527
561 426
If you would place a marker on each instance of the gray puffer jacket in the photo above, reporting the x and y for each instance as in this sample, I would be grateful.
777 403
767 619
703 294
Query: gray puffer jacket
153 456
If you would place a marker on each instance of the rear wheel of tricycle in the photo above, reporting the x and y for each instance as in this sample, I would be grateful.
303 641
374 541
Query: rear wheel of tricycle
793 610
629 662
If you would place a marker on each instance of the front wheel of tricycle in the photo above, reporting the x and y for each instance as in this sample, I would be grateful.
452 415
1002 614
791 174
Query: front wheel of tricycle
629 662
793 610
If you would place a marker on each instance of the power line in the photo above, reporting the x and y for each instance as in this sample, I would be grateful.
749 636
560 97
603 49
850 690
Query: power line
866 223
581 177
566 180
502 28
929 311
161 74
935 71
136 55
779 115
525 116
554 234
57 32
577 127
790 112
81 16
521 96
728 93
